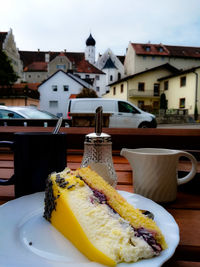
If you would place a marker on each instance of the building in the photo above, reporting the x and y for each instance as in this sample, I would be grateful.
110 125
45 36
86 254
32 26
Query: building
8 45
140 57
20 94
112 66
182 90
90 50
142 88
40 65
56 91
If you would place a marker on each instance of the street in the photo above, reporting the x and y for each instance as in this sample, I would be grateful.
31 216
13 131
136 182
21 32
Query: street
180 126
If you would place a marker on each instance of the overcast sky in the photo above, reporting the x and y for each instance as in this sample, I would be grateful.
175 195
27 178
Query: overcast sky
55 25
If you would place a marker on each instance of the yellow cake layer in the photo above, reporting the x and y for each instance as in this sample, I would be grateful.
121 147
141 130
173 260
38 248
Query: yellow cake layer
64 220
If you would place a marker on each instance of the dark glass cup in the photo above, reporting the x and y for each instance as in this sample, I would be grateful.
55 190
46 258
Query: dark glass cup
36 155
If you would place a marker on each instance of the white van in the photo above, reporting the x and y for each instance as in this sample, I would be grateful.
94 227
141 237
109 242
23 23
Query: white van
123 113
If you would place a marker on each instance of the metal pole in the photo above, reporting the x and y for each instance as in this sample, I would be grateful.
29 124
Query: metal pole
196 100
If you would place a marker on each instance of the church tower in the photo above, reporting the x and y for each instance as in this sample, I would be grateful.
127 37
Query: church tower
90 49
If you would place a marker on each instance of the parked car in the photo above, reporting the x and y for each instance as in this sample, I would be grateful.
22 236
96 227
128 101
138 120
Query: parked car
20 112
123 114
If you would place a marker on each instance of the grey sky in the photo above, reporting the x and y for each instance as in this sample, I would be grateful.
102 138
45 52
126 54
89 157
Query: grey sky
55 25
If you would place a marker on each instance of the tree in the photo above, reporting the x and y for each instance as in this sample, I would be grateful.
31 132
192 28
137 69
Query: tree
7 74
86 92
163 102
196 115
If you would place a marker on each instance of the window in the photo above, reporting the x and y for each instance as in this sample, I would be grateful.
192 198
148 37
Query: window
182 103
97 88
53 104
119 75
7 114
183 81
147 48
29 76
114 90
166 85
111 78
156 89
140 86
54 88
97 77
160 49
65 88
153 57
87 76
61 67
122 88
126 107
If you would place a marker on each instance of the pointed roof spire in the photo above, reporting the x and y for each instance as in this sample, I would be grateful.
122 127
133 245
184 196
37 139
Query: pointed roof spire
109 64
90 41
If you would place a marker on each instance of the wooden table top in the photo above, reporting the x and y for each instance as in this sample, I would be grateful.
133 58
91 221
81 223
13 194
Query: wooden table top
185 210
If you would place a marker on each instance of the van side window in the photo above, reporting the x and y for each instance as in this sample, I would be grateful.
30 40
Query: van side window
125 107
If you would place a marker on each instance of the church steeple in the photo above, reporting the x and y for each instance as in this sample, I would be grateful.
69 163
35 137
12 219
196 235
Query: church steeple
90 41
90 49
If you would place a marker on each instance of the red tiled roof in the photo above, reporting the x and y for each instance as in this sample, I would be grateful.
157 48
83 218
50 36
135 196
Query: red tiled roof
18 90
36 66
141 49
32 86
85 66
2 38
76 58
166 50
183 51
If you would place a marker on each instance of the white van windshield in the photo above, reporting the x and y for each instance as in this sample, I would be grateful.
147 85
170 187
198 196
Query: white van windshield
127 108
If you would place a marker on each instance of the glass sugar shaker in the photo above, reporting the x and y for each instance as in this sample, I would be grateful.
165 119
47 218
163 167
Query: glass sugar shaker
98 152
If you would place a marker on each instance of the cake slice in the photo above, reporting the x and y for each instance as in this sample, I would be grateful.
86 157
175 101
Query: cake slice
98 220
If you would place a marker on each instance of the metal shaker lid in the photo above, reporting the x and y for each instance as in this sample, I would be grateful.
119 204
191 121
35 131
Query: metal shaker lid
98 136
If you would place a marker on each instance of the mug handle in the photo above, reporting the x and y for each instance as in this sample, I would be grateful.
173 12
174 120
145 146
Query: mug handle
193 171
10 181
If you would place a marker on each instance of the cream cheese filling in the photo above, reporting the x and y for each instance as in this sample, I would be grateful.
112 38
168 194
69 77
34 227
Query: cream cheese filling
109 232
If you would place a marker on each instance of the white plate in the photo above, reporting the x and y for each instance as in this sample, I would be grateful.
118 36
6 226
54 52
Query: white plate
27 239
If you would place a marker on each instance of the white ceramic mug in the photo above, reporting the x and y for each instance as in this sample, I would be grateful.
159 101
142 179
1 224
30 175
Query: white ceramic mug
155 174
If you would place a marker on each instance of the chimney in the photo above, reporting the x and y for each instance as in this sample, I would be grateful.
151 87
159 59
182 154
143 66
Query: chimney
47 57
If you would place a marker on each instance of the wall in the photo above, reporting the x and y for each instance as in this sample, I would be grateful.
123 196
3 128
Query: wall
11 51
47 94
175 92
19 102
129 63
59 60
147 62
97 83
35 76
118 95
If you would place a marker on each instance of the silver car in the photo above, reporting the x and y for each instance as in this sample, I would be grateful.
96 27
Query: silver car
20 112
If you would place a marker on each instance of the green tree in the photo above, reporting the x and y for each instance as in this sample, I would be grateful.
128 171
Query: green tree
7 74
86 92
163 101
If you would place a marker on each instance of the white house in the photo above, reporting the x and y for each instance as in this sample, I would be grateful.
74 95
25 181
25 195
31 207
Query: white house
57 89
112 66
